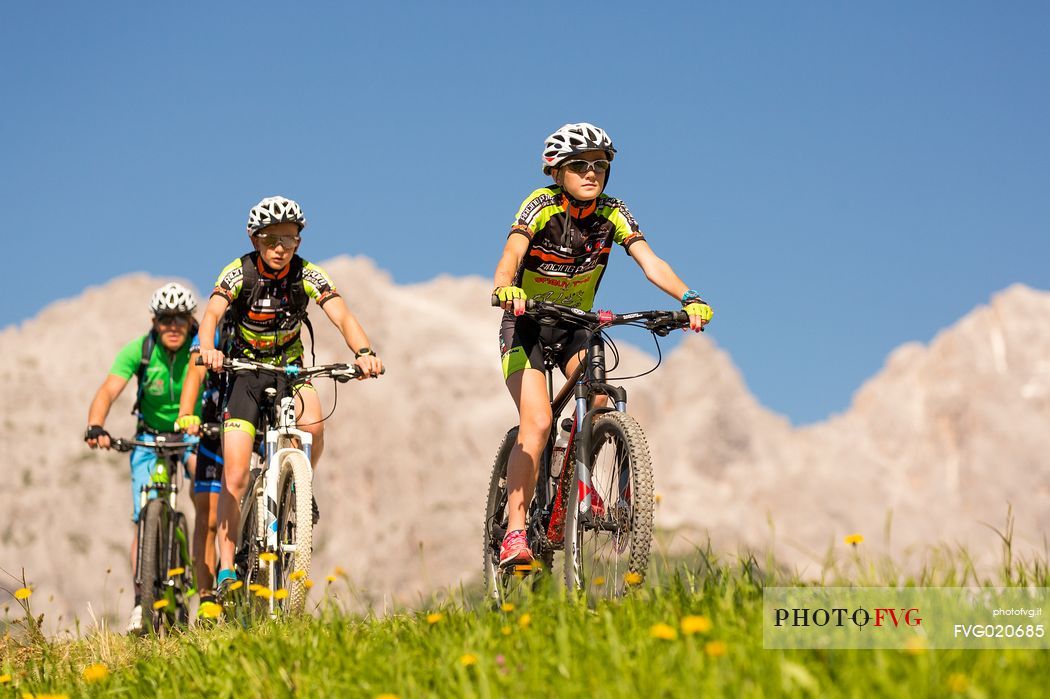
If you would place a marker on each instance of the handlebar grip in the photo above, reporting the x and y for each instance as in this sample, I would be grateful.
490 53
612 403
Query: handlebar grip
530 304
119 444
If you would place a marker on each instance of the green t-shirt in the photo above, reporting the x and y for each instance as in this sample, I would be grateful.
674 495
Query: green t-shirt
161 384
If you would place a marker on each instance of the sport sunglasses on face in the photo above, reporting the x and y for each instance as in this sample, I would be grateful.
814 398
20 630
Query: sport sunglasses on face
272 241
582 166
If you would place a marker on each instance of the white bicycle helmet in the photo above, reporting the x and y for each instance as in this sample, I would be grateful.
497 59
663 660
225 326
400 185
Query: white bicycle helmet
573 139
172 298
273 210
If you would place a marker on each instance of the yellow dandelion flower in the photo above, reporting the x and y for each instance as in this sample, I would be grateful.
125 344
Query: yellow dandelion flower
340 572
211 610
663 632
695 624
236 585
434 617
958 683
330 579
4 679
308 583
524 620
23 593
160 604
298 575
255 587
854 539
264 592
633 578
280 593
387 696
268 556
599 581
505 630
468 659
96 672
716 649
916 645
657 497
508 607
172 572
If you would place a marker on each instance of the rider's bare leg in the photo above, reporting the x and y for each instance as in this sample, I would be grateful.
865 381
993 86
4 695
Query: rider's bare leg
308 418
237 455
528 388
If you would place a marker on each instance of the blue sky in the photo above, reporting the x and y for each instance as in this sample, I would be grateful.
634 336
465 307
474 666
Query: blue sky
837 178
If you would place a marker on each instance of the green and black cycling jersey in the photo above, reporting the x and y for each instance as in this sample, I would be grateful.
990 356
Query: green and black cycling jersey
267 308
567 254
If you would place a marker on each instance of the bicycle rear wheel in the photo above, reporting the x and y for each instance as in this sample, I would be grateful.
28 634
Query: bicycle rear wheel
607 547
294 530
152 564
496 520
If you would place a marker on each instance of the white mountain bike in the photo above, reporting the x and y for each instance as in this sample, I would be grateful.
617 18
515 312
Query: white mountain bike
275 535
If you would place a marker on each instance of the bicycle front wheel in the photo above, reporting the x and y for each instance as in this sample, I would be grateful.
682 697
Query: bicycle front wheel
294 530
152 564
609 526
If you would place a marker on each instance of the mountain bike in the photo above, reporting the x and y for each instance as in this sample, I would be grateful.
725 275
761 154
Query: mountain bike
164 570
597 505
275 534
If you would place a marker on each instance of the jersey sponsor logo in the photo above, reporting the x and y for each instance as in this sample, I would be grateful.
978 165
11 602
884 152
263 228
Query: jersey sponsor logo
232 278
538 204
318 280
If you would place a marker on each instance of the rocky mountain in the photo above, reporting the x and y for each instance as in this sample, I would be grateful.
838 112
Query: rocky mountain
941 440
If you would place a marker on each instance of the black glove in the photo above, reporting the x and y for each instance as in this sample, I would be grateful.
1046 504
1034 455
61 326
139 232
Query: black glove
94 432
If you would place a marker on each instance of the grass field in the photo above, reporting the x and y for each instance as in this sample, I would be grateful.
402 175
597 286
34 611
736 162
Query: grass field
693 629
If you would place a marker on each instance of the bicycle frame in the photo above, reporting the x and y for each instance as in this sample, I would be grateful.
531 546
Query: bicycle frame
279 441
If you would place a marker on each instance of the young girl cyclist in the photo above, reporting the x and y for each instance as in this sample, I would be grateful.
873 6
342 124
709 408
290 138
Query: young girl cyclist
557 251
267 292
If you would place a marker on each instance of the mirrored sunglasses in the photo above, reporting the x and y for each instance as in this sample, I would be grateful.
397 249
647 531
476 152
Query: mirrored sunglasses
272 241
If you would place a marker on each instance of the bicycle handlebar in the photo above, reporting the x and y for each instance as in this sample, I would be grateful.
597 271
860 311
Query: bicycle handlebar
340 372
123 444
659 322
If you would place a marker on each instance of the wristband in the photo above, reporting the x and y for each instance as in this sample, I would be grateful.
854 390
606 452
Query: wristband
692 296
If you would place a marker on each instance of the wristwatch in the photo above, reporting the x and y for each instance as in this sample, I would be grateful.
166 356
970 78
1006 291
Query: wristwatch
364 352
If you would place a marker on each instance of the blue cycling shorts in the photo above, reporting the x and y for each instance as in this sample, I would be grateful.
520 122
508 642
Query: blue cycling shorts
142 461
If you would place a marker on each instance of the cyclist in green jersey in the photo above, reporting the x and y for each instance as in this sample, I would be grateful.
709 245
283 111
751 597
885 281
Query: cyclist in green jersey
160 386
266 293
557 251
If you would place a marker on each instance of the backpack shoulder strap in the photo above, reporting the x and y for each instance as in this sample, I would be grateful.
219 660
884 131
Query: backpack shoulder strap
301 300
148 343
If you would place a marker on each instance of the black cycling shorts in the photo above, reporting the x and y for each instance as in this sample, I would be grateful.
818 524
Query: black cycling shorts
522 339
208 477
245 398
